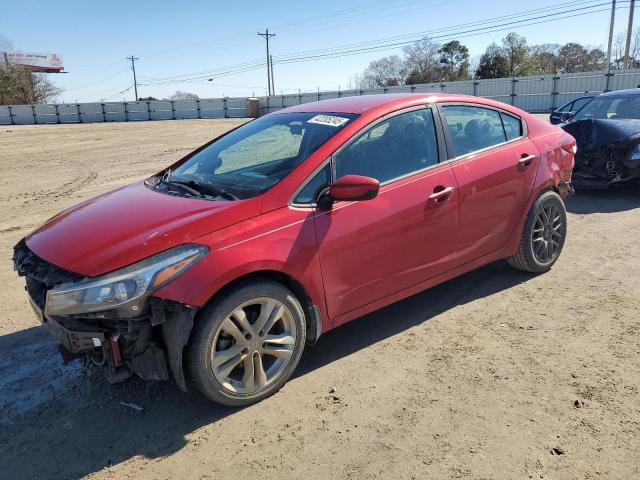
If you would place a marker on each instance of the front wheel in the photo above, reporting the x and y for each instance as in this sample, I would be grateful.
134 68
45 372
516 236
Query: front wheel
247 343
543 234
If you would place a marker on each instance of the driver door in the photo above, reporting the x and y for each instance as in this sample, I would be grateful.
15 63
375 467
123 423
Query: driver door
407 234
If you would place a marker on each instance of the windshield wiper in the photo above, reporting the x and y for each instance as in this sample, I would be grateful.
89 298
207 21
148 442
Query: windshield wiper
204 188
184 187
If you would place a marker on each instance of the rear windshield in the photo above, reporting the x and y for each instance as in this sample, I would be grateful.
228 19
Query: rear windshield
258 155
627 107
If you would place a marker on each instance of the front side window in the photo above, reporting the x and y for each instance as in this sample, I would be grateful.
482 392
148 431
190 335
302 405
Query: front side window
396 147
255 157
579 103
311 191
566 108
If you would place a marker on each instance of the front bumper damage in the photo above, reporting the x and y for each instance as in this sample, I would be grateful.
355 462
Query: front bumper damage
604 150
149 345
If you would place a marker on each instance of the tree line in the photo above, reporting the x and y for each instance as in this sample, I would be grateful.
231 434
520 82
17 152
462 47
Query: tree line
426 61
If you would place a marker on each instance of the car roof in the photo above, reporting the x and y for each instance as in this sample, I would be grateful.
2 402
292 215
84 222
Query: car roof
360 104
623 93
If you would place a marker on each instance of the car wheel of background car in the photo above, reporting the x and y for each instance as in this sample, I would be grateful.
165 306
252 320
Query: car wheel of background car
246 343
543 235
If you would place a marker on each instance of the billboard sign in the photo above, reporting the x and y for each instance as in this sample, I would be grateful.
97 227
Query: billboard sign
37 62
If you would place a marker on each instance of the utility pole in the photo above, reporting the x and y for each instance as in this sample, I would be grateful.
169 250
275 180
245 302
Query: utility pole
133 67
266 36
273 82
629 33
611 24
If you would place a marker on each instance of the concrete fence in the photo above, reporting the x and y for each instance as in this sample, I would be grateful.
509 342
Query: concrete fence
537 94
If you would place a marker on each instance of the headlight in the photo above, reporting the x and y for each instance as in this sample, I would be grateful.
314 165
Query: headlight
635 153
126 288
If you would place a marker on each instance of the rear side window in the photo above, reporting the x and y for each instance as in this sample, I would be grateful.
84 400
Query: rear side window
474 128
396 147
512 126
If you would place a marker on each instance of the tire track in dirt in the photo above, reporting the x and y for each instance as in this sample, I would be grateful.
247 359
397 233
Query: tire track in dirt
65 190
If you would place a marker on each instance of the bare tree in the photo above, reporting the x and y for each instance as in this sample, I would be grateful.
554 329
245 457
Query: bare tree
474 63
422 61
544 58
179 95
5 43
385 72
20 86
618 50
360 82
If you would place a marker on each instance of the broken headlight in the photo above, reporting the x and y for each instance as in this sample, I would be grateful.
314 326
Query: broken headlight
635 153
126 288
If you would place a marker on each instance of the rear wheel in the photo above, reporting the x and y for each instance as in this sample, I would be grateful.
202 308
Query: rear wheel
247 343
543 235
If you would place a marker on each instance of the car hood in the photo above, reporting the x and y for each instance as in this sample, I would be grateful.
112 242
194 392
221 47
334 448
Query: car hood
592 134
128 224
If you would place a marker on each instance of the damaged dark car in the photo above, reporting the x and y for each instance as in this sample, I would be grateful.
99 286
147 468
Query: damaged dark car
607 131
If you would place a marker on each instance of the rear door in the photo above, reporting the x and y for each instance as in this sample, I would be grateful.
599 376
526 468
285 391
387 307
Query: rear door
495 166
374 248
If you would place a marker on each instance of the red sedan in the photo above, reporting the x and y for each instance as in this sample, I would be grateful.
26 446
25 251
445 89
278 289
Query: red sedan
218 270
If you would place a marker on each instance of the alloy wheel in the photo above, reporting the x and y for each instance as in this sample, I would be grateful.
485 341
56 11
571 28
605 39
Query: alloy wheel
253 345
548 234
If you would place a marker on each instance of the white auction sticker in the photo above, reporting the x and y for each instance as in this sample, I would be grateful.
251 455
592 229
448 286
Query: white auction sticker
330 120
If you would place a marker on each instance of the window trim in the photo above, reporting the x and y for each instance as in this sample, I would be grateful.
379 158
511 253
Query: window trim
449 139
440 140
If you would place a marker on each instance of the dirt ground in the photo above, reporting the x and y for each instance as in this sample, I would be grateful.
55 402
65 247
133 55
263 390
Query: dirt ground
494 375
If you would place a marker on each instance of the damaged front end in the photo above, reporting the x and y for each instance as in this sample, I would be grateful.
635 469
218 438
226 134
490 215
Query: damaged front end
608 152
112 320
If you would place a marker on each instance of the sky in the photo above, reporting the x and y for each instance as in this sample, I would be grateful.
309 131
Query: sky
204 39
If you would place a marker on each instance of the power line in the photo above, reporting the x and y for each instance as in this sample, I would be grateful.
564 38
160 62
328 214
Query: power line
410 38
211 72
389 43
105 92
470 24
206 77
99 81
380 5
116 94
492 29
382 44
515 20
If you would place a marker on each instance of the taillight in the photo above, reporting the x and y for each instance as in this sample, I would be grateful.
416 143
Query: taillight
568 144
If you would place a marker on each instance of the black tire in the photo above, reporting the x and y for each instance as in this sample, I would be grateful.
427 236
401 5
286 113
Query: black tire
207 328
528 257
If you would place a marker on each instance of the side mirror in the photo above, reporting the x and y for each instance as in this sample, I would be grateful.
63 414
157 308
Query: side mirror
352 188
565 117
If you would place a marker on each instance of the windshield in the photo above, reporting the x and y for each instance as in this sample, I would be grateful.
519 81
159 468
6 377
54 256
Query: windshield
254 157
604 107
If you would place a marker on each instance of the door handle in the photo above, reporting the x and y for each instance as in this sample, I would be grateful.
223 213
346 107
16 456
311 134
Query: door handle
441 194
526 159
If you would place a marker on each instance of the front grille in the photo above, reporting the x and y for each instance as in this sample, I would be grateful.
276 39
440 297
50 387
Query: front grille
40 274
